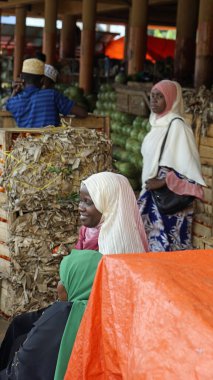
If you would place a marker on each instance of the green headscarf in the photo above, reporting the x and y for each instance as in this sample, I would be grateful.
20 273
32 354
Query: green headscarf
77 272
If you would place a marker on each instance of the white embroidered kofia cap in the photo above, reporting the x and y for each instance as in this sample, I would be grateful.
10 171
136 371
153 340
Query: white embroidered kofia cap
50 72
33 66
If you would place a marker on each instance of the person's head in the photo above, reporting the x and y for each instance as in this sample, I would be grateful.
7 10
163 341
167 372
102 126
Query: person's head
165 97
107 198
89 215
32 72
50 76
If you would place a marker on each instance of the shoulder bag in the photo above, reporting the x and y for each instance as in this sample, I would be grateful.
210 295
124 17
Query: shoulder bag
167 201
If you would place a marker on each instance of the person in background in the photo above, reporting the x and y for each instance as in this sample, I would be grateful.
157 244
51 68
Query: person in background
34 107
117 225
36 357
179 169
50 76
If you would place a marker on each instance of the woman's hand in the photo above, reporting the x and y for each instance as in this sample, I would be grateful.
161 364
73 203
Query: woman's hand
154 183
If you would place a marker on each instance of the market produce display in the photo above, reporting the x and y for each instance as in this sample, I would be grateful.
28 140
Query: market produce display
42 176
76 93
127 134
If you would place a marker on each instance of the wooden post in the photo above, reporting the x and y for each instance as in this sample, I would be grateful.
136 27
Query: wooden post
87 45
204 48
137 36
67 42
19 40
187 19
50 32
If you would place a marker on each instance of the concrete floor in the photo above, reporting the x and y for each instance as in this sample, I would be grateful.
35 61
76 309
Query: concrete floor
3 327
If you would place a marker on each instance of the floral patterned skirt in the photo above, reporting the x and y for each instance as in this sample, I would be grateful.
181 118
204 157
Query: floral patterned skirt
165 232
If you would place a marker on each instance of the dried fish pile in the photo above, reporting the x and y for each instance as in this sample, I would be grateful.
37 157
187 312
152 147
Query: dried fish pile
46 170
199 102
42 177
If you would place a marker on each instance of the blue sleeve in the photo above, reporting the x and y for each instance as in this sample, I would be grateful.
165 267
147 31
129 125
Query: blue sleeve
64 104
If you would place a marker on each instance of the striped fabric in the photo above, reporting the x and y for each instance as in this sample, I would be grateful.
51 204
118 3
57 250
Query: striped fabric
121 229
35 108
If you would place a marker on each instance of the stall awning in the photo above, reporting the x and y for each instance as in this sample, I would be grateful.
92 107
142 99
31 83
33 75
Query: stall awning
157 48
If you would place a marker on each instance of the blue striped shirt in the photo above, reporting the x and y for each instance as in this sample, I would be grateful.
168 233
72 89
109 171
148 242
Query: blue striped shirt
37 108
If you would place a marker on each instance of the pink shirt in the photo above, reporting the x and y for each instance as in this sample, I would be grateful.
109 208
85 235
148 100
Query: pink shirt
88 238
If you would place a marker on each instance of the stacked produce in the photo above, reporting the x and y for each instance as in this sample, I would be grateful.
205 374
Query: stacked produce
106 103
42 177
76 93
127 134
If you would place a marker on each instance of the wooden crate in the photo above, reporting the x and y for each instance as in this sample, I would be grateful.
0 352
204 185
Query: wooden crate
142 86
7 120
208 243
100 123
203 213
132 101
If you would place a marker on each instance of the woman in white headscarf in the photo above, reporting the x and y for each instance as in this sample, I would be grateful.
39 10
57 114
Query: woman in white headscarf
108 204
179 169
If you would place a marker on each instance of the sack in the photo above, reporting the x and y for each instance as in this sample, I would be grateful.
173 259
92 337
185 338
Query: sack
170 203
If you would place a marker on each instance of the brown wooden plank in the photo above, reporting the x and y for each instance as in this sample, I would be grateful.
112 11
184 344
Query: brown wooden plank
208 243
189 118
204 218
206 141
201 230
207 170
201 207
207 195
197 242
205 151
208 180
206 161
210 130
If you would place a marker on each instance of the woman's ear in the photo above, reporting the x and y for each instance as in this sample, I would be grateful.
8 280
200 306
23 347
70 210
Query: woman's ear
62 293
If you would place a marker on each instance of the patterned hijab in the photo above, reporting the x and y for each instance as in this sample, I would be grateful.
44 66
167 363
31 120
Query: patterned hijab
122 230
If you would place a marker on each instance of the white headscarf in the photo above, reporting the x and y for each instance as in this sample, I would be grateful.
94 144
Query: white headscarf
180 151
122 229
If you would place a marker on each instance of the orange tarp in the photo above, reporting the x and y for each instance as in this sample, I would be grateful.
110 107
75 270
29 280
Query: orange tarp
157 48
149 317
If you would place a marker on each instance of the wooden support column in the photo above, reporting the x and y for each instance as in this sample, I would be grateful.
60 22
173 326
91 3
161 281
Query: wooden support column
67 42
204 48
19 40
50 32
137 36
187 19
87 45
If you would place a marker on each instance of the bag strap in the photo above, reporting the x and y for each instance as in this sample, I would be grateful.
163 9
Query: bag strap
164 140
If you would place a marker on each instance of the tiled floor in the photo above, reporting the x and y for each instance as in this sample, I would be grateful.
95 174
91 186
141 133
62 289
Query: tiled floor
3 328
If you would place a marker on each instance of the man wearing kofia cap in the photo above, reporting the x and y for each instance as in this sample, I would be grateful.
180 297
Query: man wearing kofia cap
50 76
34 107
